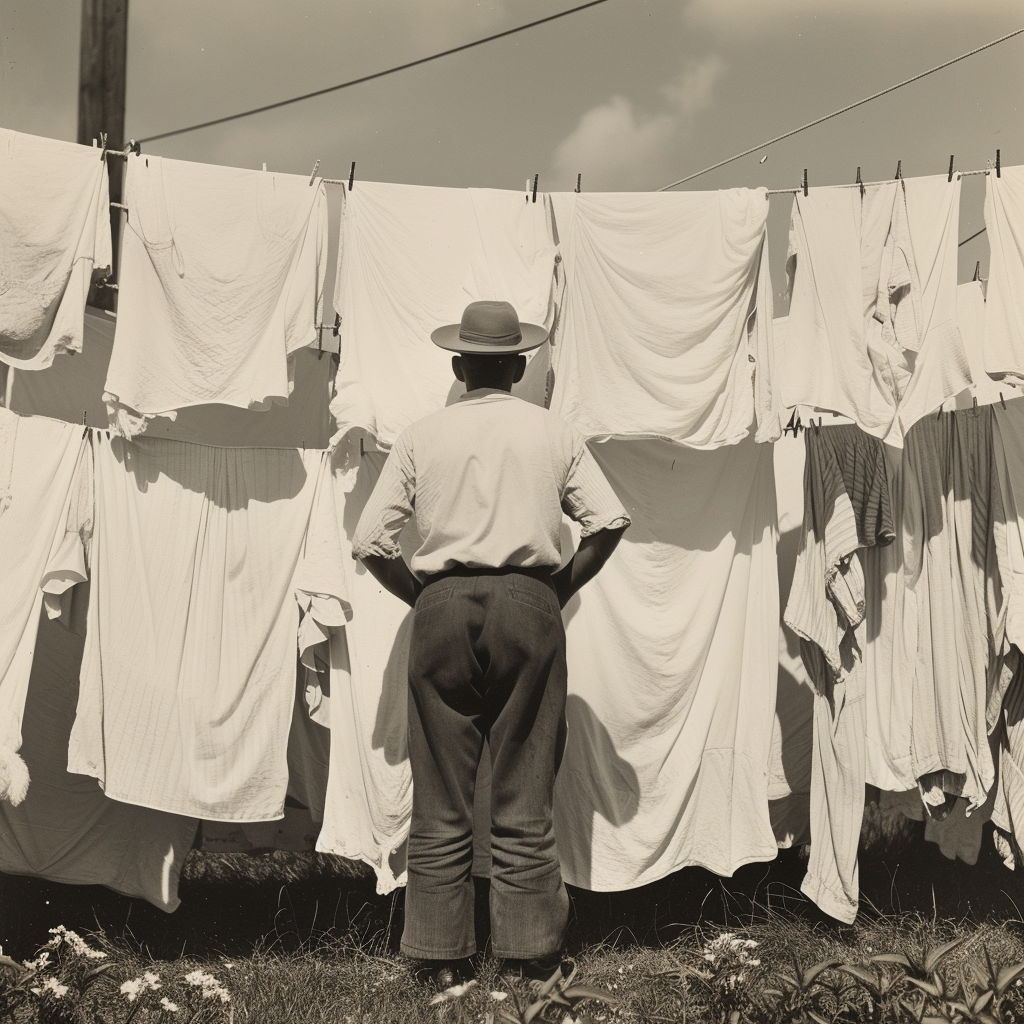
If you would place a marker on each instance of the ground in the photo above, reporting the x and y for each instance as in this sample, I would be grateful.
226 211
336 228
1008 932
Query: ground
305 938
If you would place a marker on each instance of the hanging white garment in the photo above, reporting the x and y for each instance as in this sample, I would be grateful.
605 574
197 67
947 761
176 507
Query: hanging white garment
369 789
73 388
970 318
202 560
221 280
666 323
40 556
672 659
1004 311
66 830
411 259
873 321
54 234
789 766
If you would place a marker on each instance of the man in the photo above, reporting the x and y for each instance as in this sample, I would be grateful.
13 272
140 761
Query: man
489 478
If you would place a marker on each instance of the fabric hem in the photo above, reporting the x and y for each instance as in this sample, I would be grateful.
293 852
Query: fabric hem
184 813
832 903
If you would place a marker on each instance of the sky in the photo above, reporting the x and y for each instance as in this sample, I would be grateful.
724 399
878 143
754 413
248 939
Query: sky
631 94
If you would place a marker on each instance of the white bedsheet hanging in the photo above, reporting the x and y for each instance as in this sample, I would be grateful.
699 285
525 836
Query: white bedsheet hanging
1004 311
410 259
54 233
40 556
202 560
672 658
666 328
221 280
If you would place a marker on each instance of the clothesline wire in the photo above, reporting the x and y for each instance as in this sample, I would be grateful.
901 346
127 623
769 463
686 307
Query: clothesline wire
843 110
376 74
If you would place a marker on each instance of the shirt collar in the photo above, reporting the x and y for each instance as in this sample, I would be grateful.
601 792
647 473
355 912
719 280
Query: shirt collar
470 396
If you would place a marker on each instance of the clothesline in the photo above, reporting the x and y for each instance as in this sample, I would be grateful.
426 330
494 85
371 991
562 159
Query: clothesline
863 184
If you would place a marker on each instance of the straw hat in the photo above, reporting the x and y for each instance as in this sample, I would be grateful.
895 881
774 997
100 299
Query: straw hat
489 328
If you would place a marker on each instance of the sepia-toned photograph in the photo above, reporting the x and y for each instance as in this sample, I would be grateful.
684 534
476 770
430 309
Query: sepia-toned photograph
509 512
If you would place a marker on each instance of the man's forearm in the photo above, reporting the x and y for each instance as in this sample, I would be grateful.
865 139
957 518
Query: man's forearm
394 576
590 556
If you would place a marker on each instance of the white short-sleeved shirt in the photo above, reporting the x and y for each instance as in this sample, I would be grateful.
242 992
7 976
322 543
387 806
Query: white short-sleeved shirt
489 478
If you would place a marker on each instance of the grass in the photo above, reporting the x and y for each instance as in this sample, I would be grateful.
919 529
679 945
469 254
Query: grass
305 938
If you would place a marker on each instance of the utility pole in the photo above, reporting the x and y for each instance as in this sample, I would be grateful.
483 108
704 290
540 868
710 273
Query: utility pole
101 90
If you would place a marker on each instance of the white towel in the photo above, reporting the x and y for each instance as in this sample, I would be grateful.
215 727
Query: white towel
1004 308
54 233
40 554
412 258
202 560
221 279
665 329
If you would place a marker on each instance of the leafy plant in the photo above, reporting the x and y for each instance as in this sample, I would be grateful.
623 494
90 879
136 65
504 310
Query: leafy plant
558 993
798 999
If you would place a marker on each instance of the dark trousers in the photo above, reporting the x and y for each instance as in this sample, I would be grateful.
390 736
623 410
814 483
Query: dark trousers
487 658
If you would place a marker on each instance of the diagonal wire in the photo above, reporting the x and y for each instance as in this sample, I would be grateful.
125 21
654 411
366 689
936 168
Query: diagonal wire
376 74
970 238
836 113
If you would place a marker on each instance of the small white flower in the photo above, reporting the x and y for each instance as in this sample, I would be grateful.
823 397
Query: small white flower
51 985
168 1005
74 942
455 992
499 997
131 989
210 987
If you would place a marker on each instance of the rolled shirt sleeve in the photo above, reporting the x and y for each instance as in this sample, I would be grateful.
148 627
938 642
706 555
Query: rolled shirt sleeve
390 506
587 497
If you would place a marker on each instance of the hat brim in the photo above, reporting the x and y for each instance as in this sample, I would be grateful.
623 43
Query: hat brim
447 337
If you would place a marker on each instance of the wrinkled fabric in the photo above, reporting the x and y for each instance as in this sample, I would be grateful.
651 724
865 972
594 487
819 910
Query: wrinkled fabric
41 556
672 672
67 830
221 280
846 509
1004 311
369 789
71 389
935 614
666 325
872 328
970 318
54 235
203 561
789 765
411 259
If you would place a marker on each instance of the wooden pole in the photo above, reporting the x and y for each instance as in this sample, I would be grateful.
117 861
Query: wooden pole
101 90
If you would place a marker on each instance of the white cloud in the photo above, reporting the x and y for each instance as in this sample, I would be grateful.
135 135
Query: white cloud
618 146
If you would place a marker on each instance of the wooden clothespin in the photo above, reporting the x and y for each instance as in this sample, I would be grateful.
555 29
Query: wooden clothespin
536 178
791 425
949 177
977 271
861 183
316 167
1001 402
135 147
999 170
351 175
319 345
899 169
974 402
579 179
337 324
85 417
805 181
361 451
939 414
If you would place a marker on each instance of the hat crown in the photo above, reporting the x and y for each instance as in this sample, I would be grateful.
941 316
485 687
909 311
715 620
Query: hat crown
490 322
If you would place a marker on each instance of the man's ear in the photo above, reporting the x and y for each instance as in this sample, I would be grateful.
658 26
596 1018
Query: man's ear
520 369
457 369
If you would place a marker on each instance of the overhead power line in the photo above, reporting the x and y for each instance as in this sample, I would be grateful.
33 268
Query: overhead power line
970 238
836 113
376 74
